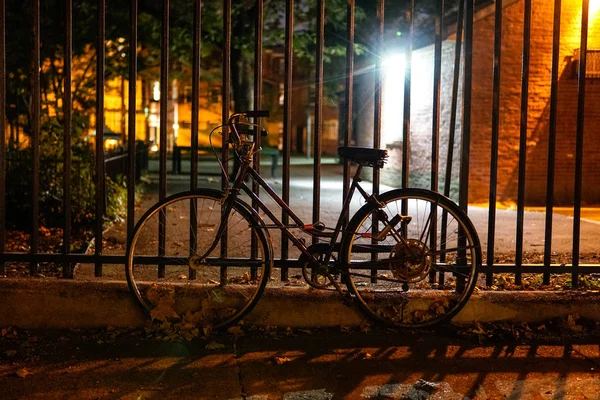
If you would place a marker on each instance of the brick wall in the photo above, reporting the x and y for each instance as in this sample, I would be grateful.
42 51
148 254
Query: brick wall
510 109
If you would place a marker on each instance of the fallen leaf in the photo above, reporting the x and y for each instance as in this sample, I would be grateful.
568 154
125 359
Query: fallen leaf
164 309
235 331
214 346
282 360
22 373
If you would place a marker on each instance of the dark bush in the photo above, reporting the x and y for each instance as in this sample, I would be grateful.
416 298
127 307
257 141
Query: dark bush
19 178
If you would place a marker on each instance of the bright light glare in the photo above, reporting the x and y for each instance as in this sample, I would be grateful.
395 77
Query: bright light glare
594 8
394 67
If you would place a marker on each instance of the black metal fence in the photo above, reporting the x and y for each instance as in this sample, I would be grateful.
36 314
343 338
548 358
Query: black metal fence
455 22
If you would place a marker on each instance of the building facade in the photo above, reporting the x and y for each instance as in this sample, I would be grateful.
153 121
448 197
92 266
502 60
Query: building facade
538 112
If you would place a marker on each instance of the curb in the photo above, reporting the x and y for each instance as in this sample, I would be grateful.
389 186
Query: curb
67 304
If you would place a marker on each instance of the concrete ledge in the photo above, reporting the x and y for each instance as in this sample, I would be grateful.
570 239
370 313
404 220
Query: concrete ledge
49 303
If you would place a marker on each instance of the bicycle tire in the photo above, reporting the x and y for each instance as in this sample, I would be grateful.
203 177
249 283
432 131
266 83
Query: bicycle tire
173 279
417 282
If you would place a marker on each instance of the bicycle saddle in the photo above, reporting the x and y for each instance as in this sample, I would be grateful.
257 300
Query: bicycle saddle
364 155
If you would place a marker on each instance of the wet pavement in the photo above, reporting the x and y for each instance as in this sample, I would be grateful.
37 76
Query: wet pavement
379 364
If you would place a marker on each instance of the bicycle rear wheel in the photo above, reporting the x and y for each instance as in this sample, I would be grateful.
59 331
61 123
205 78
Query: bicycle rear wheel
422 272
178 273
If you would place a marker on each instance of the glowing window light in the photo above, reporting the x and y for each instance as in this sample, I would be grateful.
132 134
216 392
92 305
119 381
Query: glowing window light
156 91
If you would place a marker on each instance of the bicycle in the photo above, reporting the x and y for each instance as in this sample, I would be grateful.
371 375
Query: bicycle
408 257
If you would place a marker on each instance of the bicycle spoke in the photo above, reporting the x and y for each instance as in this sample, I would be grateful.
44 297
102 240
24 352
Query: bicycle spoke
418 273
193 262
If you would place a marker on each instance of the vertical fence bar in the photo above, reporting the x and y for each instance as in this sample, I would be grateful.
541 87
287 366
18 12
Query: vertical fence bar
287 124
552 141
435 128
349 93
437 78
258 66
131 110
2 135
225 94
523 140
463 195
378 92
452 127
318 112
377 103
100 189
196 43
164 104
495 135
454 102
406 122
35 130
196 51
225 112
67 116
579 142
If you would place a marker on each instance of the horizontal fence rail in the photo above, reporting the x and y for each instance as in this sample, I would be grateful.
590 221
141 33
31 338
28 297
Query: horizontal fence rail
499 122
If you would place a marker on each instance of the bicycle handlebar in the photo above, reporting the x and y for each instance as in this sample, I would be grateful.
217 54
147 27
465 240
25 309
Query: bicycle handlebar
257 113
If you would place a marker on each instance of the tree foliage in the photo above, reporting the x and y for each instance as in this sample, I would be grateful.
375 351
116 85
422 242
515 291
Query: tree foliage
117 46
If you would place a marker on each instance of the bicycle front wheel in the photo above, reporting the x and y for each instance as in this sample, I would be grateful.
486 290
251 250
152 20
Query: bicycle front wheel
411 262
179 271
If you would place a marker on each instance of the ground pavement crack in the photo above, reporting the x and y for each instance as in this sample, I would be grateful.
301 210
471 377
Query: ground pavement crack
239 369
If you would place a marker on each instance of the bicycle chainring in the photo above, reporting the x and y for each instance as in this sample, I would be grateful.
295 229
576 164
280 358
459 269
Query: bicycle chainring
314 273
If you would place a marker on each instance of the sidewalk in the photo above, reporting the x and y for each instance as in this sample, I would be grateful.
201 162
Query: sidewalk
317 365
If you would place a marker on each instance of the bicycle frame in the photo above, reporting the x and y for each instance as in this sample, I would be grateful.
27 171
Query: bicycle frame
246 170
244 150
